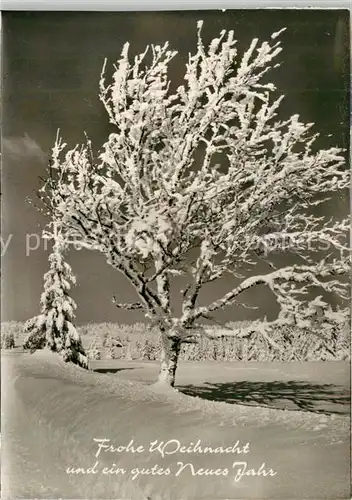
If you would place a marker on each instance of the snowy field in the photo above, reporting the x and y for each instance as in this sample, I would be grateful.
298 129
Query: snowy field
55 411
315 386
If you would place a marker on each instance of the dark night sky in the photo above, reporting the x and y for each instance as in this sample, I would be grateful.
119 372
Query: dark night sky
51 67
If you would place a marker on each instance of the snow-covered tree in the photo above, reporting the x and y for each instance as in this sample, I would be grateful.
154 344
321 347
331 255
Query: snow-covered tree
202 182
54 327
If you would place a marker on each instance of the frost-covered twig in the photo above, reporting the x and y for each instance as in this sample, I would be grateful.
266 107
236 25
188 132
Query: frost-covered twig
129 307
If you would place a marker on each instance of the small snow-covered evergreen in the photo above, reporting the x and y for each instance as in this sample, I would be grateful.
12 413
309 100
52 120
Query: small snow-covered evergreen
54 327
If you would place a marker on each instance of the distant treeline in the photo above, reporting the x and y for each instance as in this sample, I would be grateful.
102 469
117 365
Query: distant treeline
228 343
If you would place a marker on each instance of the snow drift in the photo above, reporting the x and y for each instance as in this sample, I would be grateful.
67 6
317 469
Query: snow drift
56 410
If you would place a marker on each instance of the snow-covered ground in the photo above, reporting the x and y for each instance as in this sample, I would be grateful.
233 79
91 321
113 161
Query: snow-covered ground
312 386
54 411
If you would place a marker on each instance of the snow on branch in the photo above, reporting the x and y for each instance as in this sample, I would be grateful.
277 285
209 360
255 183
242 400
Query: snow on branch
202 179
128 307
287 283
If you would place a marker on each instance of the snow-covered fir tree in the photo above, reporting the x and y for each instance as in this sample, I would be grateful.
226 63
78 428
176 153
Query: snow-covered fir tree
203 182
53 327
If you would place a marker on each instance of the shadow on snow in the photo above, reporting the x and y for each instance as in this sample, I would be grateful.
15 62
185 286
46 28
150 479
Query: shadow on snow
110 370
291 395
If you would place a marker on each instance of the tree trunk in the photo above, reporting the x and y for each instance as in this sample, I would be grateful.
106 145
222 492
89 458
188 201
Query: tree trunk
170 350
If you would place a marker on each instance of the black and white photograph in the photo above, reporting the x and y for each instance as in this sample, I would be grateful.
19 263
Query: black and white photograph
176 257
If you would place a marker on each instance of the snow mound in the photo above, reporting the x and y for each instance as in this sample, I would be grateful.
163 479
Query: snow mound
63 408
68 378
